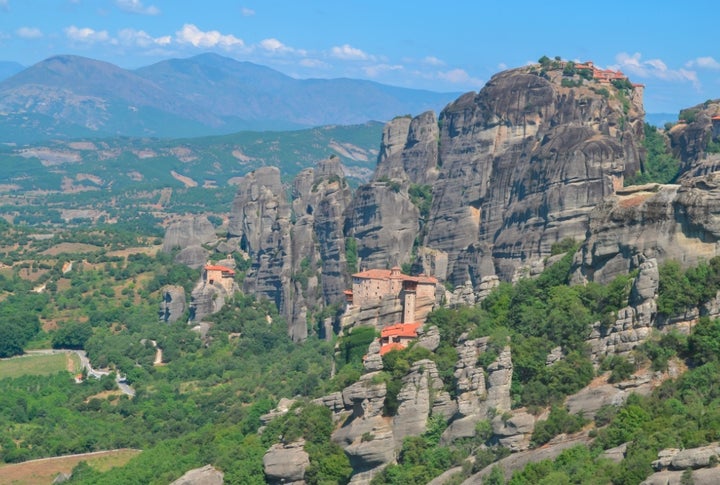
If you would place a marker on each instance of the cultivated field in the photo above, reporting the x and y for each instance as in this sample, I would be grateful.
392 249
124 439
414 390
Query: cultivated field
39 364
44 471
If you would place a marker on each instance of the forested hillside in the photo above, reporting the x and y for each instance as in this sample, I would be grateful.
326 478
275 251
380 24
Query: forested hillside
203 403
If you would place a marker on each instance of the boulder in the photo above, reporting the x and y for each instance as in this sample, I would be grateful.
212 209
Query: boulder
207 475
676 459
286 463
514 432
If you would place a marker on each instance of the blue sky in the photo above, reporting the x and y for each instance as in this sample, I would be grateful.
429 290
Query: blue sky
671 47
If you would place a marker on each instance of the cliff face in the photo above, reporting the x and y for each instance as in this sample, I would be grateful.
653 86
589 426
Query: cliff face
541 157
680 222
515 168
297 248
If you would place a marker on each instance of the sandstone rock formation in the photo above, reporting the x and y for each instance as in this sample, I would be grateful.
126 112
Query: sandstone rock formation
385 223
422 389
209 296
689 140
189 235
493 219
479 391
172 306
365 435
635 322
286 463
260 220
676 459
703 476
409 150
297 249
207 475
488 218
680 222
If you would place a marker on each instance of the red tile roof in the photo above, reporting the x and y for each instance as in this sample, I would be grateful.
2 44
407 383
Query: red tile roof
401 330
391 346
216 267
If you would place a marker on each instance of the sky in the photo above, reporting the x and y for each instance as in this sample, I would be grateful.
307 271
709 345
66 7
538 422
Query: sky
446 46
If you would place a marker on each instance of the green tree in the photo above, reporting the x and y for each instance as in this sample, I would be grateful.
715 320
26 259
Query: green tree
72 335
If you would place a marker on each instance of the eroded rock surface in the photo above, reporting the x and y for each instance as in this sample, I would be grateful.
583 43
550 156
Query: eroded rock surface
172 306
207 475
286 463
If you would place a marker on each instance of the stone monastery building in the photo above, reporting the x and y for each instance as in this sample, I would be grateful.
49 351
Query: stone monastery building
376 288
220 275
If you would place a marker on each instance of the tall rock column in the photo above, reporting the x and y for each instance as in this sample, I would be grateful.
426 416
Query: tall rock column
260 218
320 197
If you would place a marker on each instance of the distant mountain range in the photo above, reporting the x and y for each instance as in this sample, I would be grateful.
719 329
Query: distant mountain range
71 96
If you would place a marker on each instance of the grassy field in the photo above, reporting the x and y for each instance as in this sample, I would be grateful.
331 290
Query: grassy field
39 364
44 471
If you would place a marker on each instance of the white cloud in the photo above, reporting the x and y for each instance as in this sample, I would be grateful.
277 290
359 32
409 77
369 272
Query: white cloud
374 71
142 39
190 34
86 35
314 63
247 12
433 61
459 76
349 53
136 6
704 63
274 46
653 68
29 33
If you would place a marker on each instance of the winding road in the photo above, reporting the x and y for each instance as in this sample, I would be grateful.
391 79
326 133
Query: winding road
85 363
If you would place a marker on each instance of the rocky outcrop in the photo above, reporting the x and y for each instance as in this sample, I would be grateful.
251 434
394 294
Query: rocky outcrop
207 475
281 409
172 306
480 392
635 322
205 300
365 435
487 217
514 432
286 463
421 390
209 297
319 267
676 459
192 231
189 235
678 222
689 139
409 150
703 476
